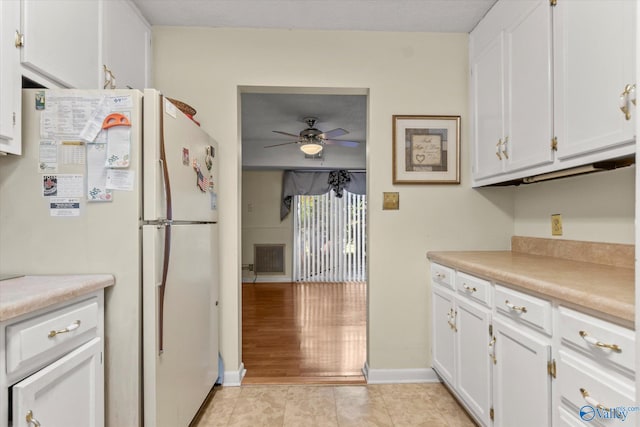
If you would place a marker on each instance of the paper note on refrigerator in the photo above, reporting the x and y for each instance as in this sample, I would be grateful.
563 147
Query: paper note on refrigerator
64 206
118 146
62 185
48 161
97 190
66 114
118 179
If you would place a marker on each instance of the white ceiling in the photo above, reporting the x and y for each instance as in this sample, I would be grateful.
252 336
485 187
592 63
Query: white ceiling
360 15
263 113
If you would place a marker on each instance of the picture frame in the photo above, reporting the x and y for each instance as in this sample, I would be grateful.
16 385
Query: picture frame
426 149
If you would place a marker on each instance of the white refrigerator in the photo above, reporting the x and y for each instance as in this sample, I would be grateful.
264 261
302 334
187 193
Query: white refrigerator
153 225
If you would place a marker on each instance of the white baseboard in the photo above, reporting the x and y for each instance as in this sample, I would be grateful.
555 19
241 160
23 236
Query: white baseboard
266 279
398 376
234 378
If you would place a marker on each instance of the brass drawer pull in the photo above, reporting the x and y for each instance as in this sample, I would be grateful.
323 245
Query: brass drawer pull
469 288
593 341
520 308
591 401
72 327
30 420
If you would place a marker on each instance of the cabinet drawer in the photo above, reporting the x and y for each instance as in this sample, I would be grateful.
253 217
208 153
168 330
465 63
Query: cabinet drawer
605 342
443 275
523 308
583 383
43 338
476 289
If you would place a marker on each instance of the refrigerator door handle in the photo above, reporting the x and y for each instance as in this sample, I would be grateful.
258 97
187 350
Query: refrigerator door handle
167 224
163 286
166 183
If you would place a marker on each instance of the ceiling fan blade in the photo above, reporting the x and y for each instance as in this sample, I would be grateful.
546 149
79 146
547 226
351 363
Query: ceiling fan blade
333 133
277 145
341 142
286 133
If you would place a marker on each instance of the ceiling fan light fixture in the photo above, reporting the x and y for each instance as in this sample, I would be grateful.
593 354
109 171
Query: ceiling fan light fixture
311 148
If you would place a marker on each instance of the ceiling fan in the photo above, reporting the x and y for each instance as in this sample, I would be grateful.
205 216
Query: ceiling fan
312 140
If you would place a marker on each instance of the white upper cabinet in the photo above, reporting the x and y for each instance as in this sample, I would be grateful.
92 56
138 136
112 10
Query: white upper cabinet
62 41
126 46
10 83
488 108
549 82
511 88
593 63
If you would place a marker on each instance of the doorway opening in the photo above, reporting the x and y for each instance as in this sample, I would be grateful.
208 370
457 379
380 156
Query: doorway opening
308 324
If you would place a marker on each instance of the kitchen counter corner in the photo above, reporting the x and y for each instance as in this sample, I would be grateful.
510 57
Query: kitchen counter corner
26 294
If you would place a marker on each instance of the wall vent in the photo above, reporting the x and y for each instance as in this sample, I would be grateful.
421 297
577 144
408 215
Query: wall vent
268 258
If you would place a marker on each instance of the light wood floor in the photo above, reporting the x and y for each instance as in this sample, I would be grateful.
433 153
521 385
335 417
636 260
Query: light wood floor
312 333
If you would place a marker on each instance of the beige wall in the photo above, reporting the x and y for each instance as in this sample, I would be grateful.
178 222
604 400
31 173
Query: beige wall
261 195
597 207
405 73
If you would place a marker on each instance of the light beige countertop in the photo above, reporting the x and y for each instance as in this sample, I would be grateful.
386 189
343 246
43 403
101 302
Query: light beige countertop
30 293
601 289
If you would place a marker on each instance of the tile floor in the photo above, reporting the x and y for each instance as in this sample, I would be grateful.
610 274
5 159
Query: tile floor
409 405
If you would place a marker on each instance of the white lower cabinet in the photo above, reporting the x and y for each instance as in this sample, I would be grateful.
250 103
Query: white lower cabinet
64 393
522 386
516 359
472 358
596 374
51 365
444 334
460 341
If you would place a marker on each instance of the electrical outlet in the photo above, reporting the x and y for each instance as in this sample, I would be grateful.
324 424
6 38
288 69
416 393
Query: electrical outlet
556 225
250 267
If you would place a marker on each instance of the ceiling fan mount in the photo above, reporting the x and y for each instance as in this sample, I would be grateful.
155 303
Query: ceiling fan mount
312 139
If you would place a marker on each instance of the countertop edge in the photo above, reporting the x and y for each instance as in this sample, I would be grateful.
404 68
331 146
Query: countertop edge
620 312
28 294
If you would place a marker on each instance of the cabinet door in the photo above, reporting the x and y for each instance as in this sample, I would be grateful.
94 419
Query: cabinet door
521 382
594 54
10 141
473 362
70 57
126 44
529 90
487 104
443 333
69 392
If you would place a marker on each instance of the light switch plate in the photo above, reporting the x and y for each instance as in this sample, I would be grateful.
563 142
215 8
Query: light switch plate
391 201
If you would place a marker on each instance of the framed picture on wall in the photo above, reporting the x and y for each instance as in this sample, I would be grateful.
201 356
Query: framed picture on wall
426 149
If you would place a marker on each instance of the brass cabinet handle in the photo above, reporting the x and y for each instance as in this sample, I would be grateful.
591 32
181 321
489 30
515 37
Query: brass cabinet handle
72 327
31 420
440 276
625 98
504 147
595 342
498 149
520 308
591 401
452 316
19 40
469 288
492 350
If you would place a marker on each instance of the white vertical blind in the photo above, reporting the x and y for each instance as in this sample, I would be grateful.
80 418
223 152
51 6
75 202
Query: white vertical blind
330 238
